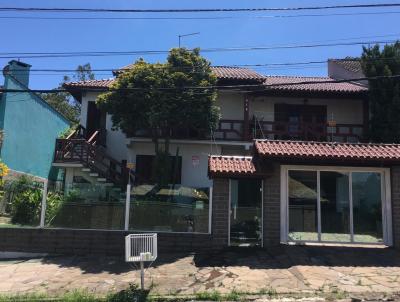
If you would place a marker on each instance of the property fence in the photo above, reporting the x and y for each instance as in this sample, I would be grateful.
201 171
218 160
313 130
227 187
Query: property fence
86 206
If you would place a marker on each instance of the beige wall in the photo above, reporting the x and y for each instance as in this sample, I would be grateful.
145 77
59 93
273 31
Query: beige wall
346 111
231 104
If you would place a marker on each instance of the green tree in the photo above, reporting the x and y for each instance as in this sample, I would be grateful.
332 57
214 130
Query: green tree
62 101
83 73
156 97
384 94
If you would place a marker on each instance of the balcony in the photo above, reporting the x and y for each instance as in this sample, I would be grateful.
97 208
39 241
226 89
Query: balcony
235 130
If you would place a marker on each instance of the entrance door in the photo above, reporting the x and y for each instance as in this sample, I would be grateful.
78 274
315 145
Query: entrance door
245 220
96 120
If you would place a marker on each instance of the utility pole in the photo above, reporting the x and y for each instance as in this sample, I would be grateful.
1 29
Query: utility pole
185 35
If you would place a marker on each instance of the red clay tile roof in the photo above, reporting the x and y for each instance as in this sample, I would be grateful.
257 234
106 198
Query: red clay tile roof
353 65
311 84
225 73
325 150
105 83
222 73
238 165
236 73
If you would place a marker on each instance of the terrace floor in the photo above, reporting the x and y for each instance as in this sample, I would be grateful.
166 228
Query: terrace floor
285 270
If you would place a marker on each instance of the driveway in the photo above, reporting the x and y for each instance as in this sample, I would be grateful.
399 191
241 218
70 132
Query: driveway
283 270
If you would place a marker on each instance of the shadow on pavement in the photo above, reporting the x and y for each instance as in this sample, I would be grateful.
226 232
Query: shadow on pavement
281 257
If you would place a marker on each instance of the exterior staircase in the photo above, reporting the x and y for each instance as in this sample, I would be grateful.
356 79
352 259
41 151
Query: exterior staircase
97 165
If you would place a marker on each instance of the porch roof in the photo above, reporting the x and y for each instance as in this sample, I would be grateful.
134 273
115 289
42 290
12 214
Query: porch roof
327 151
302 152
231 165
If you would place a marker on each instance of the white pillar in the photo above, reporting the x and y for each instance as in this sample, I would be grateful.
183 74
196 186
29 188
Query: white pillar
127 205
44 203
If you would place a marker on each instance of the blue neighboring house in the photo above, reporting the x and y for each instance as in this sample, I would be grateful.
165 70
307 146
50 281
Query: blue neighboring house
30 125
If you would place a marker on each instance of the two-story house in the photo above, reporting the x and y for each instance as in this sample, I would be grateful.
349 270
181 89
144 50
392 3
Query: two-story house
288 162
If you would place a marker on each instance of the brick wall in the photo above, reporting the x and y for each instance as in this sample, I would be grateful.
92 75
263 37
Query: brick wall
395 183
272 201
220 212
80 242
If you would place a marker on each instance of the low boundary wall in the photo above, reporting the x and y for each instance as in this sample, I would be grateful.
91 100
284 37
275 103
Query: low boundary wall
83 242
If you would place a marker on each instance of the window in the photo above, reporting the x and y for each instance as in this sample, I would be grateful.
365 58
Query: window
303 205
340 204
145 169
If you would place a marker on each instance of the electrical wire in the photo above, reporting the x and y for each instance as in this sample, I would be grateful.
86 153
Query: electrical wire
195 10
11 55
258 65
266 17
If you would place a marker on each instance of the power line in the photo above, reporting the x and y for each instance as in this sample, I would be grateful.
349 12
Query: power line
200 18
9 55
195 10
245 86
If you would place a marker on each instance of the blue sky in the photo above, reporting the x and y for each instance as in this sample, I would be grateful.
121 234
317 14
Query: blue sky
24 35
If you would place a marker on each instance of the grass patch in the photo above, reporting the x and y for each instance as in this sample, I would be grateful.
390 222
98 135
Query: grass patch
208 296
26 297
216 296
132 294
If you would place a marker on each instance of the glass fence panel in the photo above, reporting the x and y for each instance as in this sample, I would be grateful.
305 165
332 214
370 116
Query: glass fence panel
86 206
169 209
20 202
367 207
303 197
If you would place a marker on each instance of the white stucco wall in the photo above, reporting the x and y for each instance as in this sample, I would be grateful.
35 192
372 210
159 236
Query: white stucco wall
346 111
116 140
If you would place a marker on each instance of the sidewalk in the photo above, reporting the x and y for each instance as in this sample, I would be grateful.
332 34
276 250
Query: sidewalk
287 269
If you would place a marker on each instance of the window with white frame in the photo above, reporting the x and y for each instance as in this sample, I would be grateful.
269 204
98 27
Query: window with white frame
335 204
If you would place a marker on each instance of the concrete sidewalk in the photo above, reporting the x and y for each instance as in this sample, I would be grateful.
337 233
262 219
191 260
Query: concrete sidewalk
287 269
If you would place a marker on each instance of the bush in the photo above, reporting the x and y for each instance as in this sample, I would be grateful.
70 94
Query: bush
26 198
26 202
133 293
55 201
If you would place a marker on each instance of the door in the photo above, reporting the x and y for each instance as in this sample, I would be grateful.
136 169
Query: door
96 120
245 219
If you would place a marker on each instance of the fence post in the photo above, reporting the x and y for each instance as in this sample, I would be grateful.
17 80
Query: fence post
127 205
44 203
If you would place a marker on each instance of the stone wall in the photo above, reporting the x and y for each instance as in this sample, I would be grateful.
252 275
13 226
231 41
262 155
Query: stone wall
272 201
83 242
395 183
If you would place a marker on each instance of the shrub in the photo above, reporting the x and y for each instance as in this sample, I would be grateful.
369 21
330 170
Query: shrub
25 201
133 293
55 202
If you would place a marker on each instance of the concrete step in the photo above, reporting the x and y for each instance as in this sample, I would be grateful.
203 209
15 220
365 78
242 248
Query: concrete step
108 184
94 174
100 179
85 170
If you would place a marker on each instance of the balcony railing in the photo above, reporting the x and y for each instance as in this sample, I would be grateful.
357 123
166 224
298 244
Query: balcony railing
234 130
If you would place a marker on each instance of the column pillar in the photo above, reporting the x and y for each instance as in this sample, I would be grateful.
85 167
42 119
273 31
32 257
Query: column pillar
246 126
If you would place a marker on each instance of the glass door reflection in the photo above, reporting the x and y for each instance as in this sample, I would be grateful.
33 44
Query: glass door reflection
245 212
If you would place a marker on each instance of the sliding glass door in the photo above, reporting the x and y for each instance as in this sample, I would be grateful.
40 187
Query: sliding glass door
335 205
